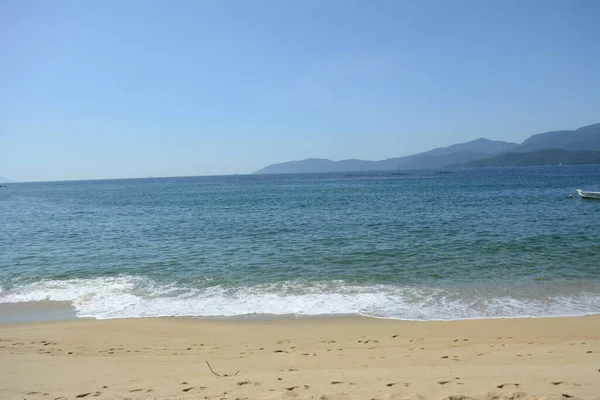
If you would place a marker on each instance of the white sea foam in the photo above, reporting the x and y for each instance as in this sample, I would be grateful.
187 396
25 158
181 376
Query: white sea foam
130 296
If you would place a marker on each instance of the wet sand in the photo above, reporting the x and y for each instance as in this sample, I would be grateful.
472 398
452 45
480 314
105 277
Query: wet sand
36 311
321 358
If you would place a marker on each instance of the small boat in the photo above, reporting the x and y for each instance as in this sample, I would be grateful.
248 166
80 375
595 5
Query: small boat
588 195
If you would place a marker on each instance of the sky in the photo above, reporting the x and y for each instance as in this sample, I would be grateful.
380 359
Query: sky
118 89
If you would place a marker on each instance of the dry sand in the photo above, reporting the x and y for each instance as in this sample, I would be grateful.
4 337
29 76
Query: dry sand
334 358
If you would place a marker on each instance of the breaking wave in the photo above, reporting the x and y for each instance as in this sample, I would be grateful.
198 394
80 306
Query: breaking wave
138 296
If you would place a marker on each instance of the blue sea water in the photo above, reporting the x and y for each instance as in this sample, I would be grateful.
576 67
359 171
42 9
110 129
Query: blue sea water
422 245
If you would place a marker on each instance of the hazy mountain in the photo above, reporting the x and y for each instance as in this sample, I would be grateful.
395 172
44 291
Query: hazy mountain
481 145
311 165
325 165
455 154
4 180
579 145
585 138
427 161
539 157
436 158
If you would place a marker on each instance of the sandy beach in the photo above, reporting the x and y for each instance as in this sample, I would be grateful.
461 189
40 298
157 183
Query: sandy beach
320 358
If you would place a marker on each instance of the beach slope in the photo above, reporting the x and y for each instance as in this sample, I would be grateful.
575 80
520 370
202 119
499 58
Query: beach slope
319 358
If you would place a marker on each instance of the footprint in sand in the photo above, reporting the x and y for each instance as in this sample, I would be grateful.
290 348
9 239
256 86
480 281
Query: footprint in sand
557 383
443 382
193 387
291 388
502 386
336 382
406 384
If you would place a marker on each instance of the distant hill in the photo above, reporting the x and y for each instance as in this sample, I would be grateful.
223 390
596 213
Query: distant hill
317 165
481 145
578 145
4 180
324 165
427 161
436 158
585 138
539 157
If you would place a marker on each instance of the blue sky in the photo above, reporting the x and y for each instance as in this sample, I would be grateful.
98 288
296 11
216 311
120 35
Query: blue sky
112 89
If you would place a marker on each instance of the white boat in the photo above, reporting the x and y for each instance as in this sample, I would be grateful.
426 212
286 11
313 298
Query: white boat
588 195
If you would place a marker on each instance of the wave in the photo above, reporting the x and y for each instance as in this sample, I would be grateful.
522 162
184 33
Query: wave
137 296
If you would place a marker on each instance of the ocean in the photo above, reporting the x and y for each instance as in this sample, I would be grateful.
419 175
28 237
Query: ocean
418 245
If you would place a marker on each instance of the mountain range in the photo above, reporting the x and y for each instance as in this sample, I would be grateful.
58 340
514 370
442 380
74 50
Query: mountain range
577 146
538 157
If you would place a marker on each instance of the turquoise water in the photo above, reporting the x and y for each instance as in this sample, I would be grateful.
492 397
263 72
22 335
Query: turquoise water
449 244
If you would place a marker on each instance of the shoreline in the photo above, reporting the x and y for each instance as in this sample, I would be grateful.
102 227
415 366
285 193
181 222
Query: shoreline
51 310
312 358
